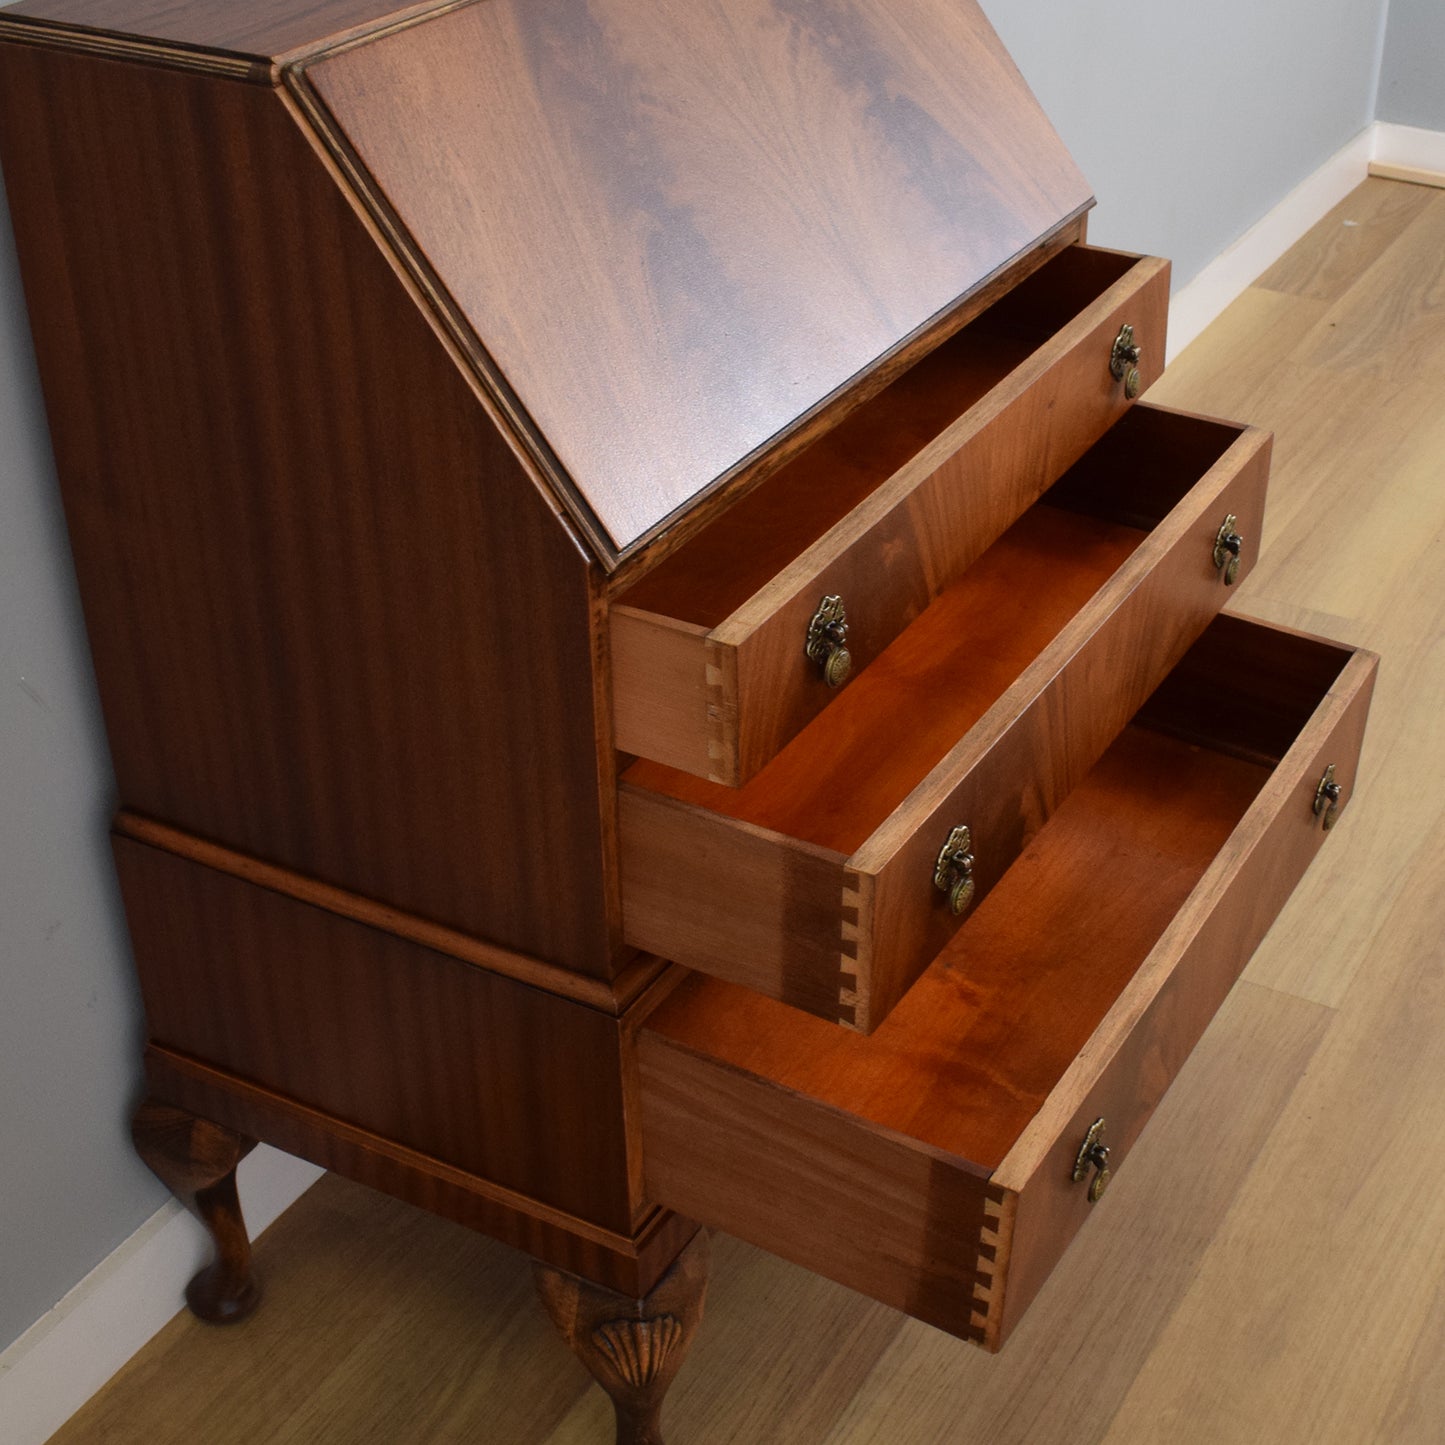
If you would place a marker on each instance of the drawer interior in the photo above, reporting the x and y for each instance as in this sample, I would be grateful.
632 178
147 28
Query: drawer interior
847 771
968 1058
709 577
931 1164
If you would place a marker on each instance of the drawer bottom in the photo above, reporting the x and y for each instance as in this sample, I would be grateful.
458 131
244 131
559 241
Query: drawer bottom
931 1164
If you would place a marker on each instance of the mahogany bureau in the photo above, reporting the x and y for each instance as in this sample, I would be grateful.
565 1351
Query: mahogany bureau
658 672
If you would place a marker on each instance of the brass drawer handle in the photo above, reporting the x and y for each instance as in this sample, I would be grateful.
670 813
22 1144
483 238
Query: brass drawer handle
1327 799
1093 1154
953 873
1227 546
1123 361
827 642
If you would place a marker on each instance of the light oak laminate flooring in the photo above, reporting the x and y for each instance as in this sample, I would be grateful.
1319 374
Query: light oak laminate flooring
1267 1268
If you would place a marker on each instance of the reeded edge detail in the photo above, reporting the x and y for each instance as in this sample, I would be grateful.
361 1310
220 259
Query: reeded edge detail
556 482
109 46
517 422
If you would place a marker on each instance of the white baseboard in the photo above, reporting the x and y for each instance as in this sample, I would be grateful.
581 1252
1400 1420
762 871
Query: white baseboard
1198 302
1407 147
69 1353
1403 151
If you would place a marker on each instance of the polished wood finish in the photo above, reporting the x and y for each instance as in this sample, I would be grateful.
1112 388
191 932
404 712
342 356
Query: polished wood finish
196 1160
459 1063
633 1348
611 996
1011 684
269 29
629 1262
927 1165
798 193
1237 1282
344 509
335 623
886 510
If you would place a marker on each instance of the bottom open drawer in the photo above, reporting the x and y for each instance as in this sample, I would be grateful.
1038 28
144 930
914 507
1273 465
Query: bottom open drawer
931 1164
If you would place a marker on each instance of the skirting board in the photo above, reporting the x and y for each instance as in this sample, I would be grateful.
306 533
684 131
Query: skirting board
1381 145
69 1353
1405 152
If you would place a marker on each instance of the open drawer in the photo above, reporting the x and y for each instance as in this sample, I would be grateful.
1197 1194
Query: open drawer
816 882
933 1165
711 672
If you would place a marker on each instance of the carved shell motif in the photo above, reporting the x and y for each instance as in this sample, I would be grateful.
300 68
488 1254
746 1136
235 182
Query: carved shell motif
638 1349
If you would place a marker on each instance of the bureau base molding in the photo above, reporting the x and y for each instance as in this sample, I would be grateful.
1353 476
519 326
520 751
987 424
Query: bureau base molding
629 1265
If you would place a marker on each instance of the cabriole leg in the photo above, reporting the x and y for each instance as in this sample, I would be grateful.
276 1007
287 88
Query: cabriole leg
196 1160
632 1348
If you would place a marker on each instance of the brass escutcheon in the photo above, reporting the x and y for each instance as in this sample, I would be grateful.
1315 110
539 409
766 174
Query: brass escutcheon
1093 1154
1227 546
1327 799
953 873
1123 359
827 641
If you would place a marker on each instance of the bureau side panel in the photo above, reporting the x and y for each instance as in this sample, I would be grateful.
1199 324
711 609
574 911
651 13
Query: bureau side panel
335 623
497 1079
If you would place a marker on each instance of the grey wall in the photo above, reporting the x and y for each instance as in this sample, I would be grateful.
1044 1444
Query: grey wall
70 1189
1190 119
1412 76
1193 119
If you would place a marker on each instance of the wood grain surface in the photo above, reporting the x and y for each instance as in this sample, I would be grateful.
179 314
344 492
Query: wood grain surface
196 1160
1077 989
335 624
715 216
885 510
494 1078
270 29
1266 1266
632 1347
629 1262
1012 684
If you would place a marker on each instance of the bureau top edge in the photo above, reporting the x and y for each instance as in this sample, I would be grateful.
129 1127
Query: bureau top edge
249 40
803 202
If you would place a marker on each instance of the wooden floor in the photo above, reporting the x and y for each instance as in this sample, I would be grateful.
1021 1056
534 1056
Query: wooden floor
1269 1266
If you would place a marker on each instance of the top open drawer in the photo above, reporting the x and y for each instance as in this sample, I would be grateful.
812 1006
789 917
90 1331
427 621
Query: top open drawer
709 650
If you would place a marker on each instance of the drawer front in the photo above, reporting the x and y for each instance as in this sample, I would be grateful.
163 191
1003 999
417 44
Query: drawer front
718 692
931 1166
1142 1044
844 934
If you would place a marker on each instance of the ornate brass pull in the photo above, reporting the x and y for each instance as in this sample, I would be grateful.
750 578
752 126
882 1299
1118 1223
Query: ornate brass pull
1123 361
1093 1154
1327 799
1227 546
953 873
827 642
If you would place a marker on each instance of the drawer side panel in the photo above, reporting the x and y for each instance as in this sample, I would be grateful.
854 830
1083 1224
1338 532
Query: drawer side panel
1145 1040
873 1212
738 902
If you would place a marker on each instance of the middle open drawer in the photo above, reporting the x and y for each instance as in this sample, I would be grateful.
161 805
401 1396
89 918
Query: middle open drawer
818 882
